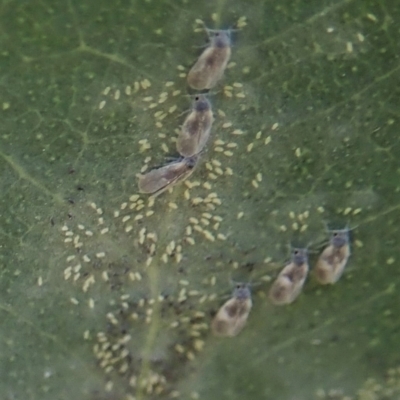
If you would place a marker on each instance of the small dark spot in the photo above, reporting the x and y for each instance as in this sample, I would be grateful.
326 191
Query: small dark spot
70 215
245 252
249 266
109 327
80 188
52 221
335 338
71 171
71 201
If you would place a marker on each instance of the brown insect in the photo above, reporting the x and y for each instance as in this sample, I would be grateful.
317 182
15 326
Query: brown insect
210 66
232 316
160 179
196 129
290 280
334 257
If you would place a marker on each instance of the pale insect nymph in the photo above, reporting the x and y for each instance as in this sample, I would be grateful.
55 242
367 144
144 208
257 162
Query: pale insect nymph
232 316
334 257
210 66
291 279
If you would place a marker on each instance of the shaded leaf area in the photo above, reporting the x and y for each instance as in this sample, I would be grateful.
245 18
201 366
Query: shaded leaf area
106 294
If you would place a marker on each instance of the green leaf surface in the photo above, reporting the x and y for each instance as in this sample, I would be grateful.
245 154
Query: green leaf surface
107 295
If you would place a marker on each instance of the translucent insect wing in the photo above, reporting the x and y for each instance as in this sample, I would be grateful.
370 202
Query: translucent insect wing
289 283
151 181
232 316
280 291
333 259
196 129
160 179
211 64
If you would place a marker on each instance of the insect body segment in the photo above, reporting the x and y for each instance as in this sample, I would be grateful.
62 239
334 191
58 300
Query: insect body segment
290 280
334 257
210 66
232 316
196 128
160 179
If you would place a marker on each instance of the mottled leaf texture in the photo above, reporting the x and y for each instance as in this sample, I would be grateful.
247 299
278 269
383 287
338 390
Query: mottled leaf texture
107 294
